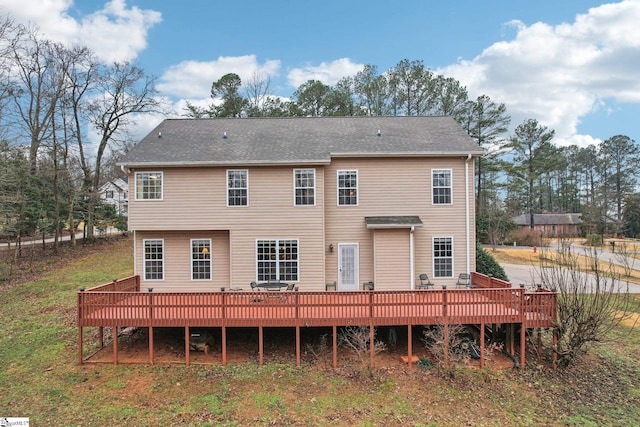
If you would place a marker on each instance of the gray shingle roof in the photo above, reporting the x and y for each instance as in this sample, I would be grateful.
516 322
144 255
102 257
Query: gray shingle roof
393 221
297 140
549 219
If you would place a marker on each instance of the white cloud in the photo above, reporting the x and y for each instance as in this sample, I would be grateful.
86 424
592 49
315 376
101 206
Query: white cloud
193 79
115 32
328 73
558 74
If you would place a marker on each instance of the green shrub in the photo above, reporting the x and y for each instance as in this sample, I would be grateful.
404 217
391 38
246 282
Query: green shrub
594 239
486 264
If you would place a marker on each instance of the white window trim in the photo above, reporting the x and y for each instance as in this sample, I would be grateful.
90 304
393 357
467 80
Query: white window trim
338 187
210 260
135 184
315 192
227 193
450 186
433 257
277 261
144 261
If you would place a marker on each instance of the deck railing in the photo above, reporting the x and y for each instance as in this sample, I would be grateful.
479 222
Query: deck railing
462 306
487 282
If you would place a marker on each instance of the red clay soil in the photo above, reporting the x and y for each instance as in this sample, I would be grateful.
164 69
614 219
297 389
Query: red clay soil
279 347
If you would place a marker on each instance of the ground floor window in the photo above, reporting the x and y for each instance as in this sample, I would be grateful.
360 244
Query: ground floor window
201 259
153 259
277 260
443 257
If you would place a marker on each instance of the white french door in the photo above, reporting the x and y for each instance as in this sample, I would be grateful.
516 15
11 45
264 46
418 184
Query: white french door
348 262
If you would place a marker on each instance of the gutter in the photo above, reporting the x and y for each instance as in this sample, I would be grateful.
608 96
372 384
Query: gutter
412 261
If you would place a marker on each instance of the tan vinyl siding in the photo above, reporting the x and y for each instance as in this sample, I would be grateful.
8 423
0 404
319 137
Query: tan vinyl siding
400 186
392 259
177 261
195 199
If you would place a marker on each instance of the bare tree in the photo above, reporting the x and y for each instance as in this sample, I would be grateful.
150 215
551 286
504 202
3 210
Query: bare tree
257 89
123 90
591 300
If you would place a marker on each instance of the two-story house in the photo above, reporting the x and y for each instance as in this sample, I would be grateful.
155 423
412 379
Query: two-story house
313 201
116 194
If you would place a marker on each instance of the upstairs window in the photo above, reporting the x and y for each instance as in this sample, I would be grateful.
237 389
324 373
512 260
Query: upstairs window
201 259
443 257
154 259
277 260
304 183
348 188
441 186
108 194
148 185
237 188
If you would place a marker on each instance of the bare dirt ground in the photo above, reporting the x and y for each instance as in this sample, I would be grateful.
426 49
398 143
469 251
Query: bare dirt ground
279 347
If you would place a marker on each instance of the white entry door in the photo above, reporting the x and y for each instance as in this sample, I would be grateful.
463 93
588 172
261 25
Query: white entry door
348 266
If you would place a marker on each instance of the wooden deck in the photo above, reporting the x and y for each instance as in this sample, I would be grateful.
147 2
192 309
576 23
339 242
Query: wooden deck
121 304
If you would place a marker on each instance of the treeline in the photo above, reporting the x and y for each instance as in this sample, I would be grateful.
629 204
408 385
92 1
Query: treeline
63 121
56 99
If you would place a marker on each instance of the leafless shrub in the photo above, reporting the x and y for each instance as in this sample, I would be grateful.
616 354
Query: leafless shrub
436 341
357 339
319 351
592 300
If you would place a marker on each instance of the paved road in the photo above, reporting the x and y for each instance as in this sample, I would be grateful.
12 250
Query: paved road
530 275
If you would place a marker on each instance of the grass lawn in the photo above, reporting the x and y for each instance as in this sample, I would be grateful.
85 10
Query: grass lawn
40 377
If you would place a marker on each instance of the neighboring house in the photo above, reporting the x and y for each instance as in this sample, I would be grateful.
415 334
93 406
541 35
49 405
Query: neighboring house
565 225
311 201
116 194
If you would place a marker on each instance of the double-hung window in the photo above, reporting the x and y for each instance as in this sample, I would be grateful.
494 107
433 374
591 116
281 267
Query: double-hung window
201 259
348 188
304 183
443 257
148 185
237 188
153 259
441 186
277 260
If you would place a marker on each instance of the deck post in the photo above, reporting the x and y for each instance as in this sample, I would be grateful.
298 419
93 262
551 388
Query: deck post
80 344
523 328
115 345
224 345
297 345
261 343
101 336
409 346
481 345
523 339
187 337
335 346
151 345
554 354
372 338
539 349
446 345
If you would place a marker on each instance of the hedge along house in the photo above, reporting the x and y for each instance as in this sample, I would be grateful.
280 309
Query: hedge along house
323 203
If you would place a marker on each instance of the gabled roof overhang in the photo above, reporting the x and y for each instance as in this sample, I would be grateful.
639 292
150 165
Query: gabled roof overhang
394 221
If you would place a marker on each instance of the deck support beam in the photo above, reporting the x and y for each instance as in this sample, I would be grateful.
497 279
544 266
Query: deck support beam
151 345
101 336
523 339
115 345
409 346
481 345
372 343
261 344
297 345
80 345
446 346
335 346
224 346
187 346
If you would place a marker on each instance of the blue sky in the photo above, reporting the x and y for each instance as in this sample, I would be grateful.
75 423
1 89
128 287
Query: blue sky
574 65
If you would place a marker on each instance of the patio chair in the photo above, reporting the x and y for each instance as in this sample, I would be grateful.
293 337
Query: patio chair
425 282
291 286
464 280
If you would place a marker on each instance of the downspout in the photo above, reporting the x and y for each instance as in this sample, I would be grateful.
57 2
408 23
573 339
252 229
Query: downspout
411 258
466 212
